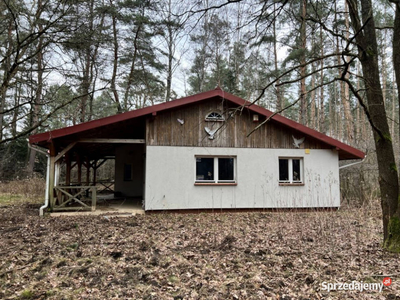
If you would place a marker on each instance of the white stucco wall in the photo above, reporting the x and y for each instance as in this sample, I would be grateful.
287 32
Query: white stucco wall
170 177
134 155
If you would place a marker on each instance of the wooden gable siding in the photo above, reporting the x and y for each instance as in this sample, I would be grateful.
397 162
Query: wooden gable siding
165 130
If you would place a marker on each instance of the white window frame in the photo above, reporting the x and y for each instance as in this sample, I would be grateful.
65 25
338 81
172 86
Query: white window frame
290 167
216 170
208 117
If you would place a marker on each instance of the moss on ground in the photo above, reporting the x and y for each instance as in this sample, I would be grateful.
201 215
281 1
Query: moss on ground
392 243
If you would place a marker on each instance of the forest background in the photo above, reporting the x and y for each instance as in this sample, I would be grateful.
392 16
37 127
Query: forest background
67 62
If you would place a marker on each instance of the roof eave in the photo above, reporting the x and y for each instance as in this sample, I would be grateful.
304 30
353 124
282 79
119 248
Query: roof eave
345 151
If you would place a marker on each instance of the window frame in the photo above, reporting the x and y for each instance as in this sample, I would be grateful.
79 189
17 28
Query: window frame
290 181
208 117
216 180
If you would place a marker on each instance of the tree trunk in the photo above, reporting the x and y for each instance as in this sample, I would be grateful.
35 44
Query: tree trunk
94 70
115 62
279 101
170 42
39 90
17 98
393 125
346 94
396 52
85 84
303 46
338 114
344 88
362 123
321 111
169 67
388 177
312 113
132 69
6 77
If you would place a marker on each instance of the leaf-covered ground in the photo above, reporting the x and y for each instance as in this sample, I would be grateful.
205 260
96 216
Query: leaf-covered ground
272 255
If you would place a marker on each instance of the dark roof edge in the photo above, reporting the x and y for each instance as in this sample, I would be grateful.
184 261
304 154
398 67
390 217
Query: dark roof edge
49 135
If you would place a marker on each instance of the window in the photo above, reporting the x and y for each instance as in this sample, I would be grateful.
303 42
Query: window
215 170
204 169
291 170
215 117
127 172
225 169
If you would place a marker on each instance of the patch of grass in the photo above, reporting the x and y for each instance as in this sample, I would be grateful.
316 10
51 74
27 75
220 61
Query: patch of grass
22 191
369 280
73 246
173 279
50 293
7 199
27 294
85 261
41 275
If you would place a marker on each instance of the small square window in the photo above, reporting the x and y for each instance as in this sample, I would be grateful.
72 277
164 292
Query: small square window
204 168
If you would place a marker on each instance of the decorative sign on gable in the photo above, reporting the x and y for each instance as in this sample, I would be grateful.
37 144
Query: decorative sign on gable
298 142
210 132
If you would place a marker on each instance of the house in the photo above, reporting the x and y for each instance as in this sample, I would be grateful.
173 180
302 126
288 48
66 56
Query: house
195 153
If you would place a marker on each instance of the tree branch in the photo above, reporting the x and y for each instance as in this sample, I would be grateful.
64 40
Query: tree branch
27 131
289 106
363 105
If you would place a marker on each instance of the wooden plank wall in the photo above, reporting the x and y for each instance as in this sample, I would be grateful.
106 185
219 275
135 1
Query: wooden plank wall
165 130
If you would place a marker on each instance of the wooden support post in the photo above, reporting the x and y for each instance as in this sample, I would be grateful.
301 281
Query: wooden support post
87 171
52 149
94 172
101 163
61 154
57 173
68 169
79 169
94 198
51 181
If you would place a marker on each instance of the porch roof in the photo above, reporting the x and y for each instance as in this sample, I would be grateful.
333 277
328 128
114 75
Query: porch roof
136 119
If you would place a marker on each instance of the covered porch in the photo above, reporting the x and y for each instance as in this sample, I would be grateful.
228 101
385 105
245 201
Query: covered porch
92 173
97 169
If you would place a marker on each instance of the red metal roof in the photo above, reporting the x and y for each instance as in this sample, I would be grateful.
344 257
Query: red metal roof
345 151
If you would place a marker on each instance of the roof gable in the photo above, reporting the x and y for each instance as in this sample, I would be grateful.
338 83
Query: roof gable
345 151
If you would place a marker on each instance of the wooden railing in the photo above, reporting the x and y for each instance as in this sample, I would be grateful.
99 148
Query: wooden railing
105 186
75 198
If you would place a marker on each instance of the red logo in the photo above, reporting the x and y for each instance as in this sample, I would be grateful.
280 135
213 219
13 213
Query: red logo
387 281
